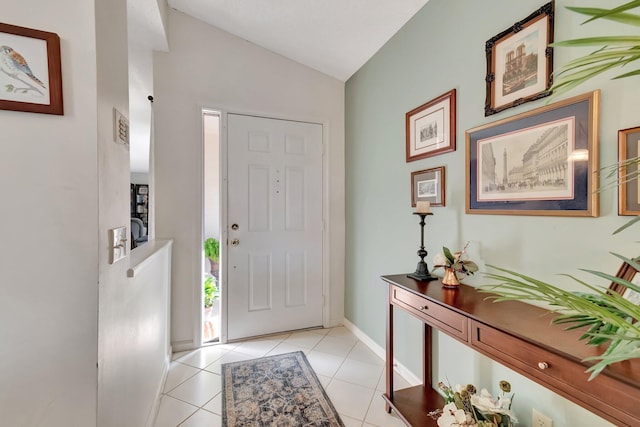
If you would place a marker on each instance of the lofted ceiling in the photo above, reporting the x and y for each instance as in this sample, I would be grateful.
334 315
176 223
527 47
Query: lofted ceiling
335 37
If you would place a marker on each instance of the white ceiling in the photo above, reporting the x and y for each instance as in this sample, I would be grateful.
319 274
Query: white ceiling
335 37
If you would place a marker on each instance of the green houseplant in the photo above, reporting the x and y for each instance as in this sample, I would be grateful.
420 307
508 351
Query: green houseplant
612 51
608 317
212 252
211 291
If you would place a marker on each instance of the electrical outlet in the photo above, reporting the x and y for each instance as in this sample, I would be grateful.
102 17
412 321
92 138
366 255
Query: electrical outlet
538 419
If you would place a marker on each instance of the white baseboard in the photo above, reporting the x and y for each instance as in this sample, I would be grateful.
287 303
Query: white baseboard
183 346
399 368
153 414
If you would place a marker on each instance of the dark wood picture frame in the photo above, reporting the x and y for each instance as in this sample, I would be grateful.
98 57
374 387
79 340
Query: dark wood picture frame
628 273
37 72
629 173
542 162
423 138
512 57
434 182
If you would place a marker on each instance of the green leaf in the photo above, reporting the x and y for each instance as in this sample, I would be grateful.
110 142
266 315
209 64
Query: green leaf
624 18
627 225
447 253
632 73
599 41
470 266
598 56
607 314
627 6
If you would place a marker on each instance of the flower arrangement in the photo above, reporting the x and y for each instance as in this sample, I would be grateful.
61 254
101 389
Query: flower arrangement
464 407
456 261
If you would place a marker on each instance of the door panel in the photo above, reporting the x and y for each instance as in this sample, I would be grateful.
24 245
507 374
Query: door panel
274 280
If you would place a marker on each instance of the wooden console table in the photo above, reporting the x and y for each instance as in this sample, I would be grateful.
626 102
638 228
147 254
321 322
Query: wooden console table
518 335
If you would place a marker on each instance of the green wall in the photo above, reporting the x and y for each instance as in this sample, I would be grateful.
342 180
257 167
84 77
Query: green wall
442 48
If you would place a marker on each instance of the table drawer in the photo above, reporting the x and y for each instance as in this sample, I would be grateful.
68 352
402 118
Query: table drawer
564 376
432 313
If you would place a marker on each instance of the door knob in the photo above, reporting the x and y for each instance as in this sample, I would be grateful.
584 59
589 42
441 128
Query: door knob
234 227
235 242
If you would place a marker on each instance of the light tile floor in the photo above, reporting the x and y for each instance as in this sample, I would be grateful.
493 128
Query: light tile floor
350 372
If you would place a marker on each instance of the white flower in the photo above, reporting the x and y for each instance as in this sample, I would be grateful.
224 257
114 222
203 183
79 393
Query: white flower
485 403
454 417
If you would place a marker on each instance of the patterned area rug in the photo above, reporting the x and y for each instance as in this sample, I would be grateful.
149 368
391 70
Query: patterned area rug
275 391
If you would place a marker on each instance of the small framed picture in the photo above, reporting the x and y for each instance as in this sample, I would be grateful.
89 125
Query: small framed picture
431 127
428 185
520 62
143 189
30 70
630 274
628 153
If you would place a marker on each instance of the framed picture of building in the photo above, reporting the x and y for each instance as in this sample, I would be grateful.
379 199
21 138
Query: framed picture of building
428 186
629 171
630 274
431 127
520 62
542 162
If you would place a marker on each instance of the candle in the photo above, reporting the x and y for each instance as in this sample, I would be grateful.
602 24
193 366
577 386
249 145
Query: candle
423 207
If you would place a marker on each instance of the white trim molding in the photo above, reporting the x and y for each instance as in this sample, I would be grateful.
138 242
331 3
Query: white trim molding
399 368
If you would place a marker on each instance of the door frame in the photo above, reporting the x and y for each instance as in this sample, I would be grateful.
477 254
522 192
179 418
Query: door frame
223 111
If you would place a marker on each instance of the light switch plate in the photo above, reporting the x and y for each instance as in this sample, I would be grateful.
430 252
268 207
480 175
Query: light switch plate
117 244
120 128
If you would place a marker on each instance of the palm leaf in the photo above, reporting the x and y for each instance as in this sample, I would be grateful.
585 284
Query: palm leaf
627 6
623 18
569 81
627 225
632 73
608 316
603 54
599 41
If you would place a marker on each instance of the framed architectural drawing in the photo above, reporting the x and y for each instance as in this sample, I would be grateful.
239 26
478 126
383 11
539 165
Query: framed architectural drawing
428 186
431 127
630 274
542 162
629 190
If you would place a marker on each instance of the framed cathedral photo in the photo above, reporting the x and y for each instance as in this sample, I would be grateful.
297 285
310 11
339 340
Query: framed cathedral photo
520 62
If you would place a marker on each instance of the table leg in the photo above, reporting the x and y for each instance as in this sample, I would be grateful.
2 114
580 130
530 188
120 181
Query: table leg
426 356
389 361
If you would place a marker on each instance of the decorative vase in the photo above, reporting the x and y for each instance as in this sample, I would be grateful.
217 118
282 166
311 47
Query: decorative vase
215 268
450 280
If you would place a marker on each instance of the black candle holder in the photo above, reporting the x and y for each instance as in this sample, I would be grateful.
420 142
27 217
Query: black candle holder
422 271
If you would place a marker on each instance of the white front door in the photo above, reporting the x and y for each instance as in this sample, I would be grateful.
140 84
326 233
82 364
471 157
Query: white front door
274 257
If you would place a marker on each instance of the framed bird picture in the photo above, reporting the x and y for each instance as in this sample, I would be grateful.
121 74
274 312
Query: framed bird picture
30 70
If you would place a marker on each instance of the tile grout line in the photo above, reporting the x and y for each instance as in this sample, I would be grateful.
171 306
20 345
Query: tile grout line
279 342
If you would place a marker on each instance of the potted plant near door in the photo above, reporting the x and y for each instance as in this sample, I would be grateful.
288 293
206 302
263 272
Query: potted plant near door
211 305
212 252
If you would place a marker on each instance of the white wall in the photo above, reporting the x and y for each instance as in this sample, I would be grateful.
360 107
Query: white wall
132 346
207 67
49 259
